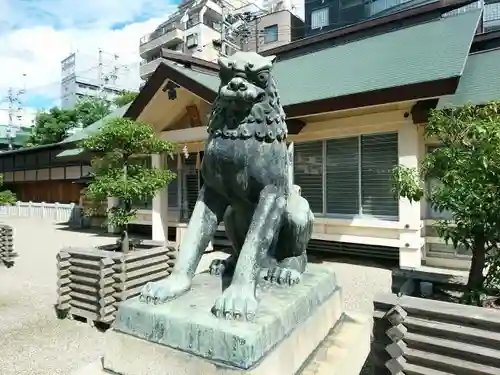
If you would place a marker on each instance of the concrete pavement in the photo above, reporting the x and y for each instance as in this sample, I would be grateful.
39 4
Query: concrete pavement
34 342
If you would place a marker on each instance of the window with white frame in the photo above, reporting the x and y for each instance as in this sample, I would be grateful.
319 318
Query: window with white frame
320 18
349 177
192 40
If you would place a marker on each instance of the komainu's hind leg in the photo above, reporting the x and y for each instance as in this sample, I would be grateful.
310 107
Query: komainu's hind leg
291 250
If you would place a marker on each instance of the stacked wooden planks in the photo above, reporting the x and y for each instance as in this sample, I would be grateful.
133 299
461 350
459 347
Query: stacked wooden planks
419 336
92 282
7 253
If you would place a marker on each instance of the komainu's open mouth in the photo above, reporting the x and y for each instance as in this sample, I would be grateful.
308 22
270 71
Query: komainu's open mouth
249 95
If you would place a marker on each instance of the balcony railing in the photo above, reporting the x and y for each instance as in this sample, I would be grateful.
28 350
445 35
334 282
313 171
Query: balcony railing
378 6
161 31
491 9
491 13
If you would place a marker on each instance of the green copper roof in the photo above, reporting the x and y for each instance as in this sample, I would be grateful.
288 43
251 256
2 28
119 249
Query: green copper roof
119 112
480 82
430 51
427 52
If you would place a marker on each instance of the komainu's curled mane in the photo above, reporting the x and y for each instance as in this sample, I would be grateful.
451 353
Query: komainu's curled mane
258 112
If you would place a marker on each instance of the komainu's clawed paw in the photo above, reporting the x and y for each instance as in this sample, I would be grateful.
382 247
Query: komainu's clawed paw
236 303
220 267
164 290
283 276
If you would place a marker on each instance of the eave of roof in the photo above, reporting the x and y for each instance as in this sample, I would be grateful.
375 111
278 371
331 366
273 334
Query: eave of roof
72 152
480 82
31 149
486 41
204 85
406 64
119 112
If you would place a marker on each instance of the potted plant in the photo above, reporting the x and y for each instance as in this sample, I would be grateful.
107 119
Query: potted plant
92 282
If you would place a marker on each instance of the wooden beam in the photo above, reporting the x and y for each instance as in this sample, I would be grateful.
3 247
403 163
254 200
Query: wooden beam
421 110
295 126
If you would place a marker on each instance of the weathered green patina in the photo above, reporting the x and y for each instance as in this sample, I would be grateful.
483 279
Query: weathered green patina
248 183
186 323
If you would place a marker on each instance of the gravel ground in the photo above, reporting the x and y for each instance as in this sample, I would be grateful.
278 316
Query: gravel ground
34 342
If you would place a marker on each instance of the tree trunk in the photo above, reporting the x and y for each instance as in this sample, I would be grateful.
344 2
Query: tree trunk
125 240
125 243
476 276
127 206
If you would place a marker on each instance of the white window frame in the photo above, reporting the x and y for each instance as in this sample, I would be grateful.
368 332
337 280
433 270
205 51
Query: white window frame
360 213
193 42
322 18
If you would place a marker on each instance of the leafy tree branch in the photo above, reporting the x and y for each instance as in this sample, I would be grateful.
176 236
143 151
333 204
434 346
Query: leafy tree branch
466 168
6 196
117 175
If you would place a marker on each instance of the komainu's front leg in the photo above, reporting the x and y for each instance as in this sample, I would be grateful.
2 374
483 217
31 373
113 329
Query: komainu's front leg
207 215
238 301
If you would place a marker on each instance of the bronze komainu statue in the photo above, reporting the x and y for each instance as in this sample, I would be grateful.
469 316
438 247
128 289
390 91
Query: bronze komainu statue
248 173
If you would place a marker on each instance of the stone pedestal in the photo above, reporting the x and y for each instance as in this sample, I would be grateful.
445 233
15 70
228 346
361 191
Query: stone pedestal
295 331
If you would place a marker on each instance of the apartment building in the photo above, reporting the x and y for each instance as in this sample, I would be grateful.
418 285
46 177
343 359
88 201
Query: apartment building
326 15
274 26
190 30
79 80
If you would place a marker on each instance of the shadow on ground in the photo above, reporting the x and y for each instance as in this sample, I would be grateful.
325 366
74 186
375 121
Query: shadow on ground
135 231
319 257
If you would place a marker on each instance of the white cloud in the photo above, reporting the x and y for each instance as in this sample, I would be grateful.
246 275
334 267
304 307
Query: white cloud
35 35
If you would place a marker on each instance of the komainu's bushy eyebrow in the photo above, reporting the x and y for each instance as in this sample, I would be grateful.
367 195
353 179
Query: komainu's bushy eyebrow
253 66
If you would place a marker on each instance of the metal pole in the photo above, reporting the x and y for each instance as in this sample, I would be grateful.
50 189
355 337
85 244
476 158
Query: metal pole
10 98
99 74
256 35
222 30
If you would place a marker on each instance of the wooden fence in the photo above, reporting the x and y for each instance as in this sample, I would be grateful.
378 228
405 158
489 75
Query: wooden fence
416 336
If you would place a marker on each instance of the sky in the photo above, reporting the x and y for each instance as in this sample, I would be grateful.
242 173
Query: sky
35 35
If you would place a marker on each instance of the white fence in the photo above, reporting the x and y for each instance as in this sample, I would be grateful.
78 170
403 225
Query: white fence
58 212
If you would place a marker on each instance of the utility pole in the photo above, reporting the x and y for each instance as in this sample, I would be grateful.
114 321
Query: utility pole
257 36
228 26
105 79
14 107
116 68
222 30
241 26
100 74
